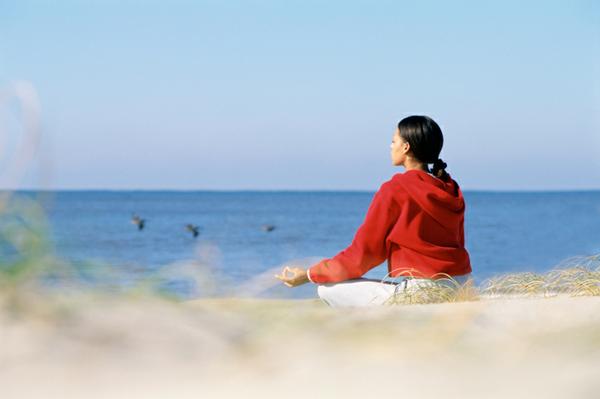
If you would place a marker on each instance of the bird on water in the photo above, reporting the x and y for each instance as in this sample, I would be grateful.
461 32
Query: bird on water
138 221
268 227
193 229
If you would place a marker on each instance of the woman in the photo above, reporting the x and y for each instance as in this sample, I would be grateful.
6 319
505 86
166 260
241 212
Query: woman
415 222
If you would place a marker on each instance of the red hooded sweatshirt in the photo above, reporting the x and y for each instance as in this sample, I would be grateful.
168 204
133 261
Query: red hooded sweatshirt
416 222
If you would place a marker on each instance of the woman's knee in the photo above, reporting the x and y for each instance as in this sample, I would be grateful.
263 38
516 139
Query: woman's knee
358 292
325 290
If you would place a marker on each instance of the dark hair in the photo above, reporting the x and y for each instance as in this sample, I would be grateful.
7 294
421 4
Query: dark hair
426 140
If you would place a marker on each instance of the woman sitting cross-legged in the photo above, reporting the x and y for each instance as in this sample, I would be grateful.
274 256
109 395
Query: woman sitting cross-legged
415 222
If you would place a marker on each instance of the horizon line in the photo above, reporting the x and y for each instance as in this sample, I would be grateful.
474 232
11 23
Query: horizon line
183 190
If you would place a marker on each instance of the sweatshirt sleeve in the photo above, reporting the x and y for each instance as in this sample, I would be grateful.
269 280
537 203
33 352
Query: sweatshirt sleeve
369 246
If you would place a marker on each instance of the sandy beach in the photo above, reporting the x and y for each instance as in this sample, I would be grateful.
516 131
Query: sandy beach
124 347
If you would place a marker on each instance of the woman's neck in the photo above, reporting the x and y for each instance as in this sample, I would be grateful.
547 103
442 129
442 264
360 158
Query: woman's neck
412 165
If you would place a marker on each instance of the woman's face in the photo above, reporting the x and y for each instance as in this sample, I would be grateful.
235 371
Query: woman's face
398 149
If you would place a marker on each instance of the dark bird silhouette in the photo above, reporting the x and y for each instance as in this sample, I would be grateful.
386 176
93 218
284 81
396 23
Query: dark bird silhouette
138 221
268 227
193 229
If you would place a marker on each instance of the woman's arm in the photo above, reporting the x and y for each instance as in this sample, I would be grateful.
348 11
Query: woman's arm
369 247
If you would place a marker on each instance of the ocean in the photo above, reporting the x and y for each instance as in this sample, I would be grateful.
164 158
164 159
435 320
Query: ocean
504 231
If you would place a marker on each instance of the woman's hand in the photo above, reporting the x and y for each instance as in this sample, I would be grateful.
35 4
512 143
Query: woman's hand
293 276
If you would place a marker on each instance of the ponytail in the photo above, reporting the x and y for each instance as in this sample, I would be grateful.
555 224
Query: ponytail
439 169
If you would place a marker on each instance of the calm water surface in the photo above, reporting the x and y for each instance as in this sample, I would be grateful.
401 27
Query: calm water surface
505 231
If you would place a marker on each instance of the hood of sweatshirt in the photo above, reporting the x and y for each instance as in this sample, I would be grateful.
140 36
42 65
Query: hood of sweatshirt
442 200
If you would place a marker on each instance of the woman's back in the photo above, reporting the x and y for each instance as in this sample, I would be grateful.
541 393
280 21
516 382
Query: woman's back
428 237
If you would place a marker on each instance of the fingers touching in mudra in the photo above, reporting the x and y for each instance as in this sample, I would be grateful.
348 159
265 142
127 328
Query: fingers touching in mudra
293 276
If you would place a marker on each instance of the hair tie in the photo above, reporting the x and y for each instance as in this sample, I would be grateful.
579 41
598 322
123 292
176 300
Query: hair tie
439 164
439 168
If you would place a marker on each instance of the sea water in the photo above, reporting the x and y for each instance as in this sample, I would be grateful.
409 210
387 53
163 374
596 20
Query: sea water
505 231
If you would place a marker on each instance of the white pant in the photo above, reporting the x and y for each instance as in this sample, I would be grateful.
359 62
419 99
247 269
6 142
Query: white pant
367 292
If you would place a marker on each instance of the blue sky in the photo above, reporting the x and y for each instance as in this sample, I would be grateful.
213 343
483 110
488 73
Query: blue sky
306 94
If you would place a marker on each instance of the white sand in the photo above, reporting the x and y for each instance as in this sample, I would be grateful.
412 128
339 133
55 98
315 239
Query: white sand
143 348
